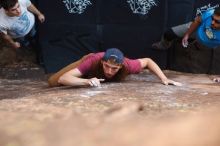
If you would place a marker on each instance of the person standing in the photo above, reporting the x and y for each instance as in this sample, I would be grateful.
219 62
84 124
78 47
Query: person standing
17 22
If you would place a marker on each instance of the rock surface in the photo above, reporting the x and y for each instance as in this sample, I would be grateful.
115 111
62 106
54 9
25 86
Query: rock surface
137 112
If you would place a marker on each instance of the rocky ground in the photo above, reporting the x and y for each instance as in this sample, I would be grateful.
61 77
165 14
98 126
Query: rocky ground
18 58
137 112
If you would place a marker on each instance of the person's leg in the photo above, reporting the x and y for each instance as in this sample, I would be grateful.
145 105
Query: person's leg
170 35
166 40
31 38
180 30
23 41
32 32
53 80
27 39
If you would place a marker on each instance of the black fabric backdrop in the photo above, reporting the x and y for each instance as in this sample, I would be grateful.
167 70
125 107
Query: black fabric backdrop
66 37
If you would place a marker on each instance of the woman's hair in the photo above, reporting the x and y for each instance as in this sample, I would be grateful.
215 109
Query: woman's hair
7 4
98 72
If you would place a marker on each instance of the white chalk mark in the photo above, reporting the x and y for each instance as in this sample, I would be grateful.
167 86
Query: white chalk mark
91 93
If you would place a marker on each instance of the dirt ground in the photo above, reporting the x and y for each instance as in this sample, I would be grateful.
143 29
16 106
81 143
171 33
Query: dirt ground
137 112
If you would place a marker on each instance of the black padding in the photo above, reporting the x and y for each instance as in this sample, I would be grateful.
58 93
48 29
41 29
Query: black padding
69 46
216 61
195 58
66 37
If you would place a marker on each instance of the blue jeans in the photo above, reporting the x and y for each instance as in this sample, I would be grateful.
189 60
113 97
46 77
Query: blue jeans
25 41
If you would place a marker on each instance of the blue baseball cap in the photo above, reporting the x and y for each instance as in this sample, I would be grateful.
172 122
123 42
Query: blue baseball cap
114 53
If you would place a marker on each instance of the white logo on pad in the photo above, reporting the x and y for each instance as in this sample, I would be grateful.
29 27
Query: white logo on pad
76 6
141 6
